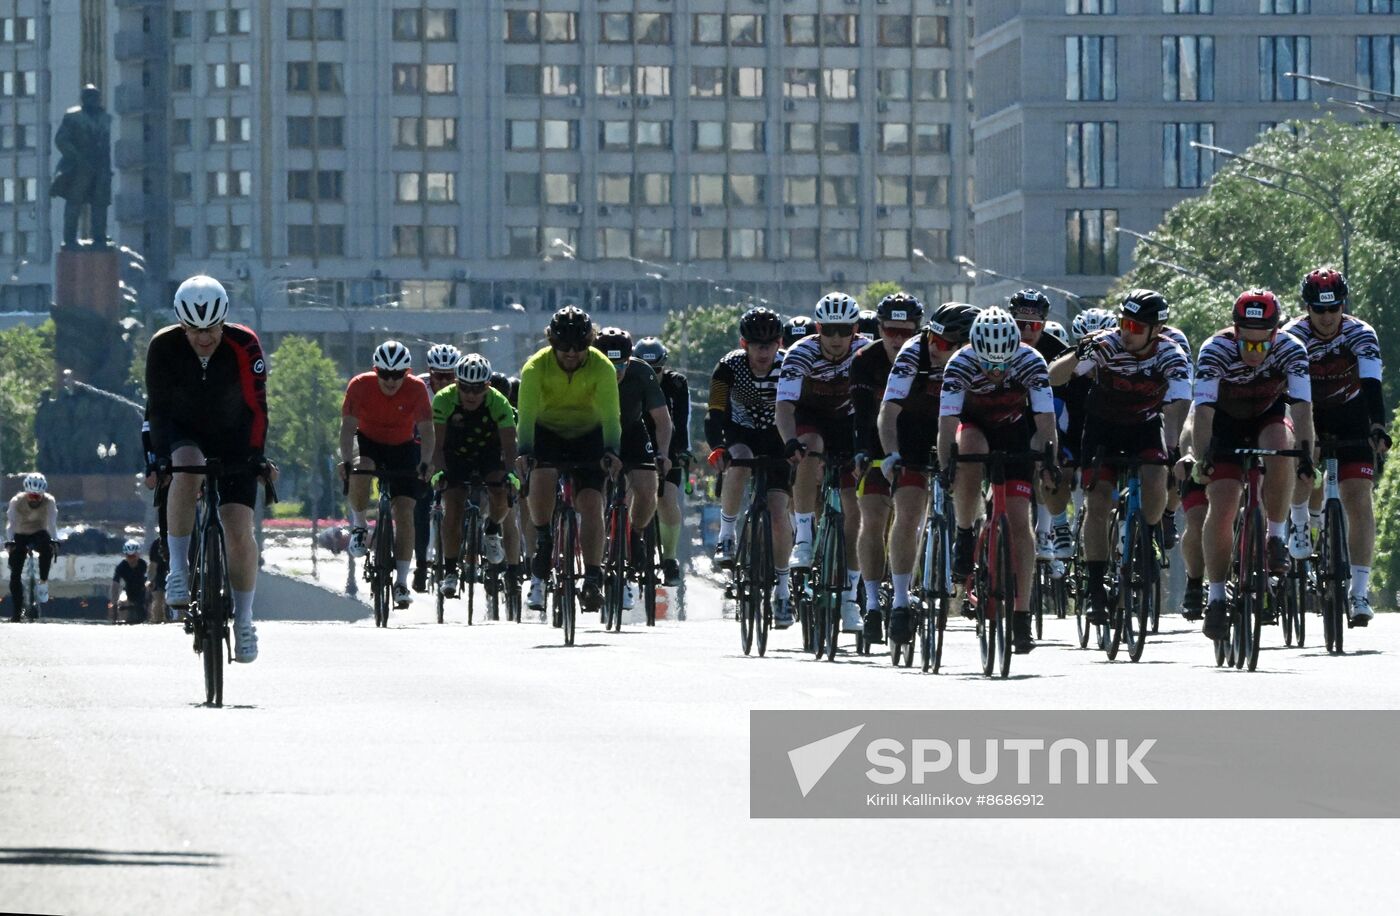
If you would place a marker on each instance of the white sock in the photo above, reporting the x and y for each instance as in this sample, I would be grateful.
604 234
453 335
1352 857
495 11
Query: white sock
1042 520
1217 591
726 526
1315 516
1061 519
401 567
803 522
872 595
901 588
179 552
852 580
1360 580
357 518
1299 515
781 589
242 607
1277 529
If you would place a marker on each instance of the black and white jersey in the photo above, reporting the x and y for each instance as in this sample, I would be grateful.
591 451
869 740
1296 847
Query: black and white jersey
1337 365
738 396
915 380
1128 388
817 384
970 393
1224 382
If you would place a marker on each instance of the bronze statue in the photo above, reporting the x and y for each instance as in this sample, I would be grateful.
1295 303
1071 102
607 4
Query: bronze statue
84 179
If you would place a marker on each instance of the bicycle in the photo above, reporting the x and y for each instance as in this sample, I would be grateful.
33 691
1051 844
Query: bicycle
1079 579
211 595
32 607
1333 570
827 579
1253 598
993 585
933 576
436 565
379 565
566 569
617 554
1136 595
753 575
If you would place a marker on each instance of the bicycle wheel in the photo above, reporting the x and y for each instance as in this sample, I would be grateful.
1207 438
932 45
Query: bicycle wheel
986 601
1040 594
383 585
835 585
924 579
1292 600
214 612
511 582
1142 573
471 558
1253 583
615 568
1006 594
762 578
745 590
1082 627
801 605
568 573
1334 566
438 567
646 566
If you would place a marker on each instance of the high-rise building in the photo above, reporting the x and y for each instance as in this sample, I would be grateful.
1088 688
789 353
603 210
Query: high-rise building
1086 111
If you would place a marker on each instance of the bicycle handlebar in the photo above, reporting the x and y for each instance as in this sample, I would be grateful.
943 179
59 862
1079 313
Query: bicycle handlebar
216 468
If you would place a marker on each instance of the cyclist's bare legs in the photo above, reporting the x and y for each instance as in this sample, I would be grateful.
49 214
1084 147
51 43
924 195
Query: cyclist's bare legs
540 502
780 511
402 507
1223 502
589 504
874 521
1192 547
1153 491
1018 513
242 547
510 525
183 493
454 506
668 513
1361 520
736 480
497 505
807 482
1279 475
641 489
967 484
850 516
908 529
1097 503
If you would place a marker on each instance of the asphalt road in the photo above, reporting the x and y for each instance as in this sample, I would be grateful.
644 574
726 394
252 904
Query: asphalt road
447 769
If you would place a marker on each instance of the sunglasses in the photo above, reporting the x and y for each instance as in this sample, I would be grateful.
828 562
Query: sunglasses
992 368
1256 346
389 376
570 347
899 333
1326 309
941 345
1030 325
838 330
1133 326
472 387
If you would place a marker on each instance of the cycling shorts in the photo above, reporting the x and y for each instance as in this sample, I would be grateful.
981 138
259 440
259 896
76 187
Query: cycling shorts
238 485
552 448
837 430
1193 495
1015 437
1348 421
401 459
489 468
875 483
763 443
637 447
1117 440
1230 433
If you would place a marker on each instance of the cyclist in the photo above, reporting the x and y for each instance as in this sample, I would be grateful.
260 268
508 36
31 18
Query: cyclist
31 521
868 323
1193 503
517 524
643 407
569 413
1057 331
1141 386
908 430
388 413
996 396
1344 356
206 398
740 423
442 361
652 351
899 315
130 576
1174 493
1031 309
797 327
1248 377
814 413
474 436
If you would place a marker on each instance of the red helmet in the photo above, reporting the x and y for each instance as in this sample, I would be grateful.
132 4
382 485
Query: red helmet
1257 308
1324 286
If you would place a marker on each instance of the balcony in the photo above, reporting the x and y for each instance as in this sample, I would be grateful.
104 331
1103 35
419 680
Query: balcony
132 98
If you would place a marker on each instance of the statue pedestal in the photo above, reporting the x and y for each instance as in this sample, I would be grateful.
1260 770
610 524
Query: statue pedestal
90 281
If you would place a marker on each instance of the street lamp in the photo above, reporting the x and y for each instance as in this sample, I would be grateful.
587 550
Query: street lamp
973 270
1327 198
1177 250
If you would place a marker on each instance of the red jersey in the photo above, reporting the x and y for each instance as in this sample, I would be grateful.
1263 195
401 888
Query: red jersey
382 418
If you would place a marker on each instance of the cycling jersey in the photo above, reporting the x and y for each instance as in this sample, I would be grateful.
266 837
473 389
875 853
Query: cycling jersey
1131 389
870 371
1178 337
569 405
740 398
677 392
389 419
1243 392
1340 365
133 580
220 402
915 381
1050 347
472 434
25 517
638 393
969 393
818 385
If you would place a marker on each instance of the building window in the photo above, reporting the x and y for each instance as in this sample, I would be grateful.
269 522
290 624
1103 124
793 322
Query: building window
800 138
522 189
522 241
324 24
17 30
800 82
652 29
653 80
1280 54
932 242
180 239
522 26
931 138
613 79
19 190
1183 165
614 136
840 138
892 190
707 82
931 31
560 188
706 190
181 77
229 183
1188 6
799 31
227 238
614 243
654 189
706 244
615 28
1091 68
559 28
521 79
559 79
746 244
840 30
654 135
441 241
800 244
1188 68
229 130
522 135
930 190
746 30
839 191
747 190
1285 7
653 243
839 83
895 31
1091 7
327 132
707 29
560 134
1091 242
614 190
182 24
800 190
328 77
425 241
1375 63
408 241
1377 6
180 132
230 76
219 23
894 138
893 244
15 137
931 85
321 184
1091 154
839 243
746 82
892 85
707 136
747 136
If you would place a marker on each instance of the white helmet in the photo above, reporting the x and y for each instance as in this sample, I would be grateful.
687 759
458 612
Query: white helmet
201 302
1091 320
131 546
474 369
36 483
994 335
1057 331
443 357
392 356
837 308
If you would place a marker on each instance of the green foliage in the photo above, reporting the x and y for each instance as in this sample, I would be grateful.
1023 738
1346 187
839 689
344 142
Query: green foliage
303 404
1385 568
873 293
1241 233
26 372
697 338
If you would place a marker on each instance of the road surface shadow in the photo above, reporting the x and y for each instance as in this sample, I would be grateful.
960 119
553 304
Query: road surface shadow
577 645
226 706
1325 654
60 855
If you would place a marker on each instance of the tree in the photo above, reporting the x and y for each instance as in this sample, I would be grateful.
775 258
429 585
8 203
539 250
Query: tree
26 372
874 292
303 404
1385 576
697 339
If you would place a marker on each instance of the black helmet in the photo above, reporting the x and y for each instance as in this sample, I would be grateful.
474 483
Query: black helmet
868 323
1324 286
1029 298
797 327
900 306
651 351
760 325
1145 305
501 382
570 325
615 343
952 321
